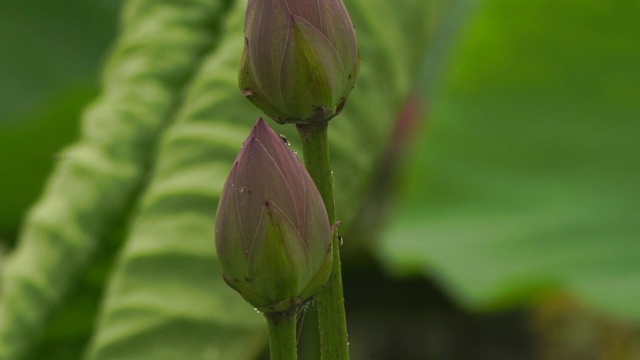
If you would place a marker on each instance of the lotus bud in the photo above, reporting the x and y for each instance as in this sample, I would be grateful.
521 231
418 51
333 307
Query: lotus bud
301 58
273 236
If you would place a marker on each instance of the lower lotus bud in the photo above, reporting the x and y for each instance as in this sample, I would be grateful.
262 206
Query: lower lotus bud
273 236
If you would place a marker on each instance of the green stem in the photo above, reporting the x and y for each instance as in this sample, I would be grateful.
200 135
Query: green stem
332 320
282 335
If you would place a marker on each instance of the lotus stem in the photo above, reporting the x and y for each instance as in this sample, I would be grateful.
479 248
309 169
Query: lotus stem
282 335
332 319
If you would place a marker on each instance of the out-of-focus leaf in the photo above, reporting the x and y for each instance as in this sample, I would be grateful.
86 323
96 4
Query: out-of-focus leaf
23 165
50 56
96 178
166 298
47 46
70 328
528 177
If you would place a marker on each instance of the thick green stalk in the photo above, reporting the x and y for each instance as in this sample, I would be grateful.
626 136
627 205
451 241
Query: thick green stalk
331 314
282 335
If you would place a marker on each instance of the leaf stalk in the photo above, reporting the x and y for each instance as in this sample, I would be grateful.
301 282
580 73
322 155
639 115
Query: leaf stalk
332 319
282 335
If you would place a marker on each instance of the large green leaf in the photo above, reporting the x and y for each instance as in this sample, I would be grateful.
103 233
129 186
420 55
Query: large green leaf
166 298
95 179
527 179
49 72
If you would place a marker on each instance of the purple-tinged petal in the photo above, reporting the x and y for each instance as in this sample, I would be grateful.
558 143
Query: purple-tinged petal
272 229
301 58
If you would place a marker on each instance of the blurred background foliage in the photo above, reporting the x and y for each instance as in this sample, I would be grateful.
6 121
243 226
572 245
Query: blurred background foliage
49 69
527 178
515 232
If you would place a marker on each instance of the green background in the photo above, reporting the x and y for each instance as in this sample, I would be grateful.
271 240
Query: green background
517 184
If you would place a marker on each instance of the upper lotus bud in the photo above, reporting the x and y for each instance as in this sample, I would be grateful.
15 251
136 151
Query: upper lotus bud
300 60
272 230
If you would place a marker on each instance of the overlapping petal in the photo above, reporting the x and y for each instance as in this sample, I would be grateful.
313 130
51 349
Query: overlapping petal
300 60
272 231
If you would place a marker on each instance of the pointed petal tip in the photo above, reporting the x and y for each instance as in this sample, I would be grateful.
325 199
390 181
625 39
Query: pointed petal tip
261 126
265 133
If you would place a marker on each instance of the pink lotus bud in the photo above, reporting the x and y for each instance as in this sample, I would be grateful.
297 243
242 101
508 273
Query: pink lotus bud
301 58
272 231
